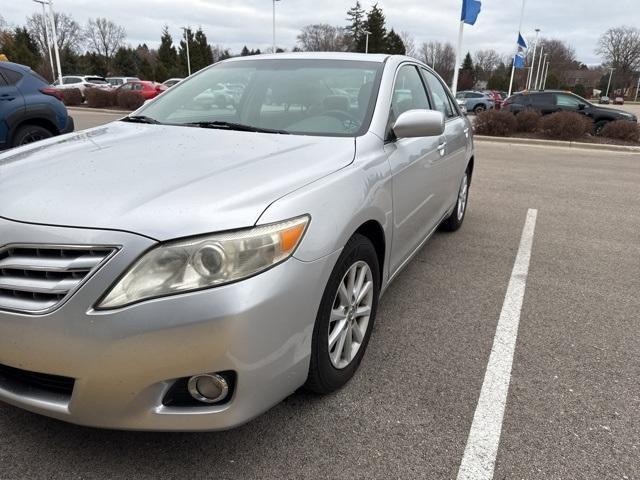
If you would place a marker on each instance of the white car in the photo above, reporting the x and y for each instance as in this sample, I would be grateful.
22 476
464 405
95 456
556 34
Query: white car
82 83
171 82
117 81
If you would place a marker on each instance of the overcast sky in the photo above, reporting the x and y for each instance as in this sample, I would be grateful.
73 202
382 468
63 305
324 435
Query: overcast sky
234 23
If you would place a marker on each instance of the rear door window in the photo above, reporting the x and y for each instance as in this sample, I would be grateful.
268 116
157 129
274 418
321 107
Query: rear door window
11 76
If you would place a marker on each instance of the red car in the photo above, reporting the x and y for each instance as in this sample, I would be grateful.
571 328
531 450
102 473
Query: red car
147 88
496 97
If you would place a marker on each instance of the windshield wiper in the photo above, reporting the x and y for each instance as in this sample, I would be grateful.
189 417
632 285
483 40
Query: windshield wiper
140 119
235 126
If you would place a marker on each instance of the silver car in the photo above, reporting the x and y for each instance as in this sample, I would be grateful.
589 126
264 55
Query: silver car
187 268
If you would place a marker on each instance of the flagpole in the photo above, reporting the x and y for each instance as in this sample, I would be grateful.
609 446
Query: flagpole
535 86
456 70
533 60
513 63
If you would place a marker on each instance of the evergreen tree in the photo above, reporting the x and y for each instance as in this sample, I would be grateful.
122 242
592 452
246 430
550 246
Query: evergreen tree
22 48
375 24
395 45
125 62
355 27
466 79
167 65
200 53
245 52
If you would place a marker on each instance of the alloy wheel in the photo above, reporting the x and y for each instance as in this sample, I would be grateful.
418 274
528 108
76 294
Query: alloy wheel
462 196
350 314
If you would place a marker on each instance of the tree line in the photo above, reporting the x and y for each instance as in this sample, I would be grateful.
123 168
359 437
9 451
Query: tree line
100 48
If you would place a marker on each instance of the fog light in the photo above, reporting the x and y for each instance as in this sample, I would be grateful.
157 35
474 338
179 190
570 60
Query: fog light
208 388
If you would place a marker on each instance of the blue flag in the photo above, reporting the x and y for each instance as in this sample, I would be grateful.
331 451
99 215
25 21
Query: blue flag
521 41
470 11
518 61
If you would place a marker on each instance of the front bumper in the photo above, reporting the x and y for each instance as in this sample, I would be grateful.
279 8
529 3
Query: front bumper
124 361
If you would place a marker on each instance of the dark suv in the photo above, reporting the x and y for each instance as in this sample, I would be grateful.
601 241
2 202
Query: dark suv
30 109
550 101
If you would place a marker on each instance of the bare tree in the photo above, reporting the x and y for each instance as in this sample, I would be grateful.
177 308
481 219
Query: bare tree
104 37
485 61
440 56
323 38
561 57
68 31
409 44
620 49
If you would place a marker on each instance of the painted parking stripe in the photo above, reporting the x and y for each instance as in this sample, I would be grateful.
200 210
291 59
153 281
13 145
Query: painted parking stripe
479 458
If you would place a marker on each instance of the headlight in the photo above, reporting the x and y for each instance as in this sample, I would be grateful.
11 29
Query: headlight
206 261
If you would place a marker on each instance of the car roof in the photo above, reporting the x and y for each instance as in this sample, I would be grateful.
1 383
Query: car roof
16 66
363 57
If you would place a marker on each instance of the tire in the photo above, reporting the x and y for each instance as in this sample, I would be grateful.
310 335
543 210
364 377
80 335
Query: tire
479 108
454 221
29 134
597 128
331 368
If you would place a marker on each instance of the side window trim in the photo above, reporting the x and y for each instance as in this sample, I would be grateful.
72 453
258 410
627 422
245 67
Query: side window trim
388 134
452 102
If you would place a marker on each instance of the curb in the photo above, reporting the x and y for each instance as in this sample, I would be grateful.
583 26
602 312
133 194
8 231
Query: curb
98 110
556 143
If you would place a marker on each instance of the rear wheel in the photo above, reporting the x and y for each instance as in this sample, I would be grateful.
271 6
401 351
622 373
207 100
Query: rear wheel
454 221
29 134
597 128
345 318
479 108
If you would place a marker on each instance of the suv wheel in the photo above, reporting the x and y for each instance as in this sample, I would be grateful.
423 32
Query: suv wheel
479 108
345 318
29 134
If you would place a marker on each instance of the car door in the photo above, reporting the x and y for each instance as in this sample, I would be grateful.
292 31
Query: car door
545 103
416 169
453 159
11 103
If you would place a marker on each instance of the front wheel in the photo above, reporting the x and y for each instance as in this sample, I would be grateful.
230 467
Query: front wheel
345 318
29 134
454 221
479 109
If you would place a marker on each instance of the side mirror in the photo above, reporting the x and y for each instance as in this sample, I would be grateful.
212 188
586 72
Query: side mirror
581 106
419 123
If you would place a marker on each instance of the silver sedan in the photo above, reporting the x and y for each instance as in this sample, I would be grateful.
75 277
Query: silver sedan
189 266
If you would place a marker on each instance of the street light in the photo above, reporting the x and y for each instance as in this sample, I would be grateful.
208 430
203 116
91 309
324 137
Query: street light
366 43
55 40
186 39
609 84
637 88
533 62
46 36
540 64
546 74
274 25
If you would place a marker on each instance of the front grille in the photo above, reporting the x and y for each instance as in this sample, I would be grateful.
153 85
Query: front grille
24 382
38 278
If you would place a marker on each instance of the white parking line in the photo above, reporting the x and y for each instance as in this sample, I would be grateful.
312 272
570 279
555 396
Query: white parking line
479 458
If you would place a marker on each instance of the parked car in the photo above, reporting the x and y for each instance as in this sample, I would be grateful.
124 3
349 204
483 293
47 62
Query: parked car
147 88
496 97
604 100
171 82
550 101
117 81
618 101
476 102
82 83
30 109
183 269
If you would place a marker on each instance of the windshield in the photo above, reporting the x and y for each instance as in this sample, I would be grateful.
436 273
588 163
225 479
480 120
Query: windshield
96 80
310 97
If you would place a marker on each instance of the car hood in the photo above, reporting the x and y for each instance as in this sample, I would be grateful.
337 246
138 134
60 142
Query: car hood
615 112
161 181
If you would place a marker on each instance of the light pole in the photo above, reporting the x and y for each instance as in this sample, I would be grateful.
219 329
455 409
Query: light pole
533 61
274 25
536 84
546 74
542 65
186 40
366 42
637 88
55 40
45 21
609 84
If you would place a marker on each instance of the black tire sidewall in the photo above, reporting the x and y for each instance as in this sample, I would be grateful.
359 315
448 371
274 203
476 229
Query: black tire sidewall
26 130
325 377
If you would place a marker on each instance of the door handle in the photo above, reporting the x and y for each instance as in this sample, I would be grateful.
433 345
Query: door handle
441 148
466 132
6 97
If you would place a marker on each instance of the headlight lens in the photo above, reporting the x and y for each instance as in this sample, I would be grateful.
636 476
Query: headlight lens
206 261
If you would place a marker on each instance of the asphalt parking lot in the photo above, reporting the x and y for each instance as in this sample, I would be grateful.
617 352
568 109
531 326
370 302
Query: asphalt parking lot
573 405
